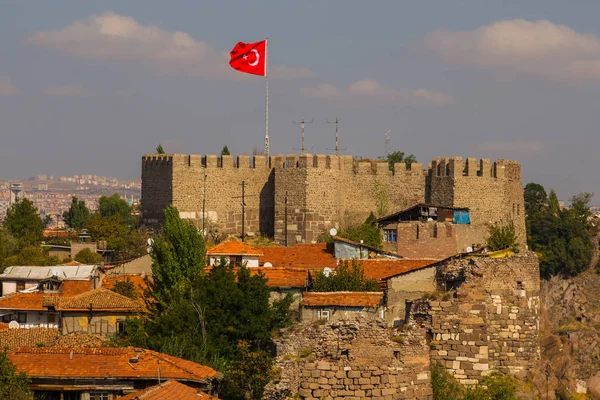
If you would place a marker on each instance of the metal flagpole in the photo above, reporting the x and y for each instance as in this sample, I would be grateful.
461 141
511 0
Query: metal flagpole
266 100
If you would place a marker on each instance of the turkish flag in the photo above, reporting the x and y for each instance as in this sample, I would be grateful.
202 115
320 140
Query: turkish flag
250 58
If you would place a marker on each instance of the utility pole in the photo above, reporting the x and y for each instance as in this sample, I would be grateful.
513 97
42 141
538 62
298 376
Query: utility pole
204 205
243 204
302 122
337 148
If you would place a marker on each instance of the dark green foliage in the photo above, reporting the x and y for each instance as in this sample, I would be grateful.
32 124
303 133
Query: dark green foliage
225 151
87 256
563 238
222 318
399 157
124 239
495 386
109 206
346 278
31 255
12 384
126 288
23 222
159 149
77 215
502 236
368 232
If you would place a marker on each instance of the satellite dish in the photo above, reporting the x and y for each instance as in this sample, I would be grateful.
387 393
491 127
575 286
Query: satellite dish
469 249
13 325
150 243
327 272
267 265
333 231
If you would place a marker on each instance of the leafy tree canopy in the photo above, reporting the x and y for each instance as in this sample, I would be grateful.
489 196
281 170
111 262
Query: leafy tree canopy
109 206
159 149
126 241
23 222
399 157
368 232
346 278
31 255
563 238
495 386
126 288
225 151
12 384
77 215
502 236
87 256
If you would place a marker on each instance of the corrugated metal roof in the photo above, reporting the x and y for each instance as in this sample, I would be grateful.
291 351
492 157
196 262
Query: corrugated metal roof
79 272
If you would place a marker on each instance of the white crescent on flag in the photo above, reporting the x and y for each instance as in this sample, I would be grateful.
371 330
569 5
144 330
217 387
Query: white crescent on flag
253 64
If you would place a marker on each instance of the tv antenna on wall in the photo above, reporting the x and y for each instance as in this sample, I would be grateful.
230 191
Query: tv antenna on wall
337 148
302 122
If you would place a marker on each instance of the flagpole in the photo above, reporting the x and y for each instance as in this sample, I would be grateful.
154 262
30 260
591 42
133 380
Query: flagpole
266 100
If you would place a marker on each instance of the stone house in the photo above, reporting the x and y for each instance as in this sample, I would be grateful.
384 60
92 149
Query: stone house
329 306
431 231
105 373
235 253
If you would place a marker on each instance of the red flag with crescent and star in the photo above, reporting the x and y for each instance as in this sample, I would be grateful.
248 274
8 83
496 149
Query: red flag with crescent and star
249 58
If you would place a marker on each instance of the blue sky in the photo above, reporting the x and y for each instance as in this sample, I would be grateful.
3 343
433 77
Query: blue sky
88 87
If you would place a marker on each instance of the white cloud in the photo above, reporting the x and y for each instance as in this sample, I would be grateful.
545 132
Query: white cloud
373 92
539 48
115 37
516 146
7 88
64 90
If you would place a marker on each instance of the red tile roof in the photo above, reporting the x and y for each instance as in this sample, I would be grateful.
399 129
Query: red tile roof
307 256
23 301
105 363
31 337
3 326
73 288
380 269
283 277
233 248
138 281
342 299
99 299
170 390
72 264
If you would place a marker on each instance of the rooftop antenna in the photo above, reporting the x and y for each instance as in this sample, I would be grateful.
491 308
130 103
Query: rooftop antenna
302 122
388 142
337 148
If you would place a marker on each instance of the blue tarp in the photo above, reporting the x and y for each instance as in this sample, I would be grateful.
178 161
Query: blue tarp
462 217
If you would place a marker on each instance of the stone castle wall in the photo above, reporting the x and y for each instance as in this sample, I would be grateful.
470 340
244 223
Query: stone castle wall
493 323
321 191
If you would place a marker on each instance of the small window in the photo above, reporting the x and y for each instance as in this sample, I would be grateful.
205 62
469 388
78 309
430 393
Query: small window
390 235
99 395
22 317
51 318
20 285
236 260
71 396
120 328
323 314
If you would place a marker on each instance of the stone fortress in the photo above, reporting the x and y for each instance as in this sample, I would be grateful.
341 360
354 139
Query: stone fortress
318 192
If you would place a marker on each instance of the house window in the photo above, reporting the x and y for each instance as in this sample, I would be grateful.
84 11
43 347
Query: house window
323 314
22 317
51 318
99 395
390 235
120 328
71 396
236 260
20 285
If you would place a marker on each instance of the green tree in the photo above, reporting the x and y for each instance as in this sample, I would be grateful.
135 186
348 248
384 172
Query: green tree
159 149
580 208
495 386
77 215
126 288
88 257
225 151
535 197
368 232
109 206
399 157
31 255
23 222
553 203
347 277
502 236
13 385
125 240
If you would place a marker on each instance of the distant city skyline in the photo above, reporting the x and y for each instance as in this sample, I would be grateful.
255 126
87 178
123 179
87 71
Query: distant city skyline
94 86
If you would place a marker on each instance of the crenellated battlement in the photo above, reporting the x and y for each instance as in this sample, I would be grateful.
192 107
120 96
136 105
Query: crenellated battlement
457 167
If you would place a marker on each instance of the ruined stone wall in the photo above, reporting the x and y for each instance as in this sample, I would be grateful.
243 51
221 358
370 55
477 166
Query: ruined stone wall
493 192
493 322
353 359
409 286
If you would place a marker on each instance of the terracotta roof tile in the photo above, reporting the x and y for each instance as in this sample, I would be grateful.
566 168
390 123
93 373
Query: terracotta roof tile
170 390
380 269
14 338
72 264
139 281
3 326
105 363
283 277
307 256
73 288
233 248
79 339
99 299
23 301
342 299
